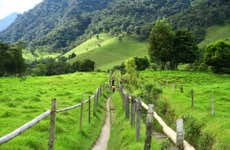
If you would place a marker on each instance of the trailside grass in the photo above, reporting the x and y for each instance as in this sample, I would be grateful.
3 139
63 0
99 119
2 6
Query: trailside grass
108 51
21 100
122 136
205 86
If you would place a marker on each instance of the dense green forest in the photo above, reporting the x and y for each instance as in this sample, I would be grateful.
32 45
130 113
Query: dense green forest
59 25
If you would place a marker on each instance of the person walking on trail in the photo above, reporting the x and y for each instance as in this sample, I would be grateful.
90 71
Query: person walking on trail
113 85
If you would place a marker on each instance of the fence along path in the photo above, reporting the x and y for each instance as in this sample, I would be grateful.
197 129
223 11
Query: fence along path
166 129
44 115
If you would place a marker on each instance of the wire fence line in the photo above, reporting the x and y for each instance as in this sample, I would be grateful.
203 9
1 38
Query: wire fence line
177 137
52 113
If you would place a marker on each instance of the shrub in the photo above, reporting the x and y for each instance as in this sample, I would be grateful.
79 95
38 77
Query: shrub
141 63
217 55
87 65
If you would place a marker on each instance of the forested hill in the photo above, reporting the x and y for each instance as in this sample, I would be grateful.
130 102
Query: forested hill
57 25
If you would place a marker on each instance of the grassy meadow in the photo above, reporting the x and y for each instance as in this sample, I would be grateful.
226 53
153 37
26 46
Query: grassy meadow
21 100
108 51
205 86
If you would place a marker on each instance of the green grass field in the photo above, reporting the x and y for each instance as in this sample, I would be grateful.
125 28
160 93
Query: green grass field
205 85
216 33
123 137
21 100
108 51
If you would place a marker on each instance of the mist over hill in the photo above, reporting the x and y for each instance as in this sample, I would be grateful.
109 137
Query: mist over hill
7 21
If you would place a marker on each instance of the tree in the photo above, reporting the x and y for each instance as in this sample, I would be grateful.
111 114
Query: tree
217 55
141 63
73 55
131 74
11 60
185 49
87 65
161 42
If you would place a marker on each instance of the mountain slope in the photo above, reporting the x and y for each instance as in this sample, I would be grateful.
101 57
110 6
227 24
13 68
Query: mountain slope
216 33
7 21
108 51
60 25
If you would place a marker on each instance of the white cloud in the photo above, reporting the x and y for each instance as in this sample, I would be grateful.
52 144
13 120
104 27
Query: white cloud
9 6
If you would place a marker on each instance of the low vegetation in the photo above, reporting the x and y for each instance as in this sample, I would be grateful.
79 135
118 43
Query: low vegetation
123 137
202 129
23 99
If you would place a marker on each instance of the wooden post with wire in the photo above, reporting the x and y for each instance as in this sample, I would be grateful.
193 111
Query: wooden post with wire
52 125
149 127
89 110
133 110
81 114
180 134
192 96
138 121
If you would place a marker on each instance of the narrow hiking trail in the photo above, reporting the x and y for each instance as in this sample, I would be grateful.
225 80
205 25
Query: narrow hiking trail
103 139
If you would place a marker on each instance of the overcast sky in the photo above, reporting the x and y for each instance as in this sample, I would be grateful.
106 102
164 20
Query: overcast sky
9 6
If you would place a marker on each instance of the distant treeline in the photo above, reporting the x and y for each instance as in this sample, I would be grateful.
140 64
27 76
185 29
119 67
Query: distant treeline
12 63
51 66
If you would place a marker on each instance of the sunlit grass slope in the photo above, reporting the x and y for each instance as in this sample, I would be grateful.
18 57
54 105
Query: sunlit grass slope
205 86
123 137
216 33
23 99
27 55
108 50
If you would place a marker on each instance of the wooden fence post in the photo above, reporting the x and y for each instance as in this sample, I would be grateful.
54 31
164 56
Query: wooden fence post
126 106
123 97
180 134
89 110
167 82
138 123
212 106
95 104
52 125
97 93
149 127
81 114
192 95
181 89
133 107
174 87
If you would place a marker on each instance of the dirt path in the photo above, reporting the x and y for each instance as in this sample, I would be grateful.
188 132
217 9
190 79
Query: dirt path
103 139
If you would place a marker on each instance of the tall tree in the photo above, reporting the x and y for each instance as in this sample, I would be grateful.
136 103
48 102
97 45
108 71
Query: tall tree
185 48
161 42
217 55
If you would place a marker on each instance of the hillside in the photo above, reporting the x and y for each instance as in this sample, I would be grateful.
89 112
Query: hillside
214 33
108 51
59 25
7 21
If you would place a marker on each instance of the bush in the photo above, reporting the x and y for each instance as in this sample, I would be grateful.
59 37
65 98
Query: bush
206 141
141 63
192 129
217 55
87 65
